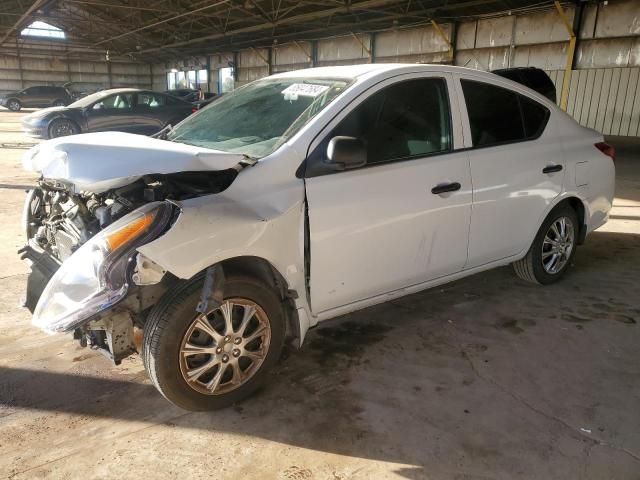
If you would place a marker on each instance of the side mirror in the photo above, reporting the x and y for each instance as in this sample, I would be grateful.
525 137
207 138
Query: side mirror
344 153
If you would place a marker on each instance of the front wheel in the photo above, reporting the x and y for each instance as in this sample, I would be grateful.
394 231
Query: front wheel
213 360
62 128
553 248
59 103
14 105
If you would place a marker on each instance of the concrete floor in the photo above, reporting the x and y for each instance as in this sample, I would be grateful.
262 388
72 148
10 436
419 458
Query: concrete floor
487 377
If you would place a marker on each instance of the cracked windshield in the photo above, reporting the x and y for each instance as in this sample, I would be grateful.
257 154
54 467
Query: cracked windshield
256 119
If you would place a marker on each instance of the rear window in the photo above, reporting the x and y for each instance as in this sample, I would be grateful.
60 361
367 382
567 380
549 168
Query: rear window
498 115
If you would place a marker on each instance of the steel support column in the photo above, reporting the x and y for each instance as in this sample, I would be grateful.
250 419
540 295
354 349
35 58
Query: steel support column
566 81
444 37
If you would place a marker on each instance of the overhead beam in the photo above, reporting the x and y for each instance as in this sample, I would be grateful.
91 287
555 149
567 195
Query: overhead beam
157 23
306 17
368 4
34 6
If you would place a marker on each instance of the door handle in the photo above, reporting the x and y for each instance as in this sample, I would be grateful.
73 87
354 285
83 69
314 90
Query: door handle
552 169
445 188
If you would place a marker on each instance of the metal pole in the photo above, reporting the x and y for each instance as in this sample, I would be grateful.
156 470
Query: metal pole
566 81
444 37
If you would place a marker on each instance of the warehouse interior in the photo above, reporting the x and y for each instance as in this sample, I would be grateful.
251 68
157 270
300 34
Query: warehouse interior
483 378
219 45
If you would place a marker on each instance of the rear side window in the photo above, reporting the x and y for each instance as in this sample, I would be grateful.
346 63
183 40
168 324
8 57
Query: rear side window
535 116
498 115
152 100
405 120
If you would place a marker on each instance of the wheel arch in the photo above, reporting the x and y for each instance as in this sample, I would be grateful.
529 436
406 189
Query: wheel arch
579 205
263 270
57 119
16 99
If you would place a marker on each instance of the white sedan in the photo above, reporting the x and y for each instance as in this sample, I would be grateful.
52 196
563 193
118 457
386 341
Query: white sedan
296 199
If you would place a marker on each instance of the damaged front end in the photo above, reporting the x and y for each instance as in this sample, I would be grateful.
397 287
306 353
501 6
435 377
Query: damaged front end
86 218
94 291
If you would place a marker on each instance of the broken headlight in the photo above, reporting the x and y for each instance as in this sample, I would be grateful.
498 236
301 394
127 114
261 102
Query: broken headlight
95 277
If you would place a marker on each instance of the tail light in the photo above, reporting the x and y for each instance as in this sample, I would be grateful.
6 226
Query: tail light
195 109
607 149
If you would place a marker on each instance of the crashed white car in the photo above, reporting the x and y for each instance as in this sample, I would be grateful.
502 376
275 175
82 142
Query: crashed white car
295 199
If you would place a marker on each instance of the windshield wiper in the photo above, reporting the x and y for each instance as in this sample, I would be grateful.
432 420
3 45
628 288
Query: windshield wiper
164 133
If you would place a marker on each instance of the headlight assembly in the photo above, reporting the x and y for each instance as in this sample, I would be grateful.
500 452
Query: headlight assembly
95 277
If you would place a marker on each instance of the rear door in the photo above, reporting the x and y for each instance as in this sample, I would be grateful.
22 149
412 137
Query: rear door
383 227
32 97
114 112
517 167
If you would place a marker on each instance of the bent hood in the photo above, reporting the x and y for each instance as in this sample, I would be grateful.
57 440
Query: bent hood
96 162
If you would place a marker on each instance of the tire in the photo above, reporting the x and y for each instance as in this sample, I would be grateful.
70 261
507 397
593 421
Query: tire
14 105
171 323
537 266
59 103
62 127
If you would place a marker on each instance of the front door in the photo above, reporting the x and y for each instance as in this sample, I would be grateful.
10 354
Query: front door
517 170
112 113
392 223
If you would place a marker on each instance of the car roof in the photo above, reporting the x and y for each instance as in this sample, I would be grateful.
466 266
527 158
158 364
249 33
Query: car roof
371 70
123 90
355 71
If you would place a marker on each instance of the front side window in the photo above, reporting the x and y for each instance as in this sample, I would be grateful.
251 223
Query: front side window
257 118
498 115
405 120
119 101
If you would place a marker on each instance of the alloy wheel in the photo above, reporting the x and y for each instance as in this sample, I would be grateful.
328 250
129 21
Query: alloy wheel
62 129
558 245
223 349
14 106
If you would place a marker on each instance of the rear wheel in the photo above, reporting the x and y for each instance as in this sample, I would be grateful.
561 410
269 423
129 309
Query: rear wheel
553 248
62 128
14 105
210 361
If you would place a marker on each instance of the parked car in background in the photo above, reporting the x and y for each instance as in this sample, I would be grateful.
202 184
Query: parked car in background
532 77
200 104
189 94
186 94
295 199
123 110
36 97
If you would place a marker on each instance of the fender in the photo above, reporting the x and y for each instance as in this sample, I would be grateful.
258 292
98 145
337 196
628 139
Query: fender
231 224
584 229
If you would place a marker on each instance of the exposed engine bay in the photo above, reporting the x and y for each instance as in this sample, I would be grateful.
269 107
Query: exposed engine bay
58 222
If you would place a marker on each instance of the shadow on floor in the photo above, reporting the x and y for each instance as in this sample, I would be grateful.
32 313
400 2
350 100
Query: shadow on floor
332 397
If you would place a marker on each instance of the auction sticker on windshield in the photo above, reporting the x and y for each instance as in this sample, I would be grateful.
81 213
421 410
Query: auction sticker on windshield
304 90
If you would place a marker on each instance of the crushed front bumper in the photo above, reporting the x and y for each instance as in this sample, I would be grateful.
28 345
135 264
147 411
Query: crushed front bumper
43 266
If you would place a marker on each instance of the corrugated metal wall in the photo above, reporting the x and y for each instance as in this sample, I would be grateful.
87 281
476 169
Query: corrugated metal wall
35 67
604 91
606 99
